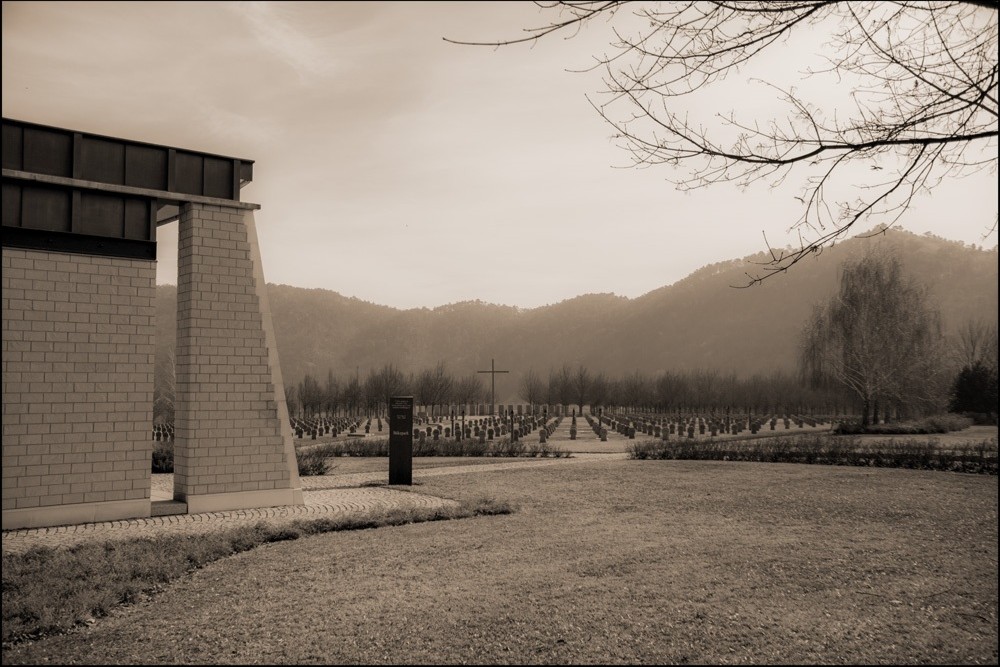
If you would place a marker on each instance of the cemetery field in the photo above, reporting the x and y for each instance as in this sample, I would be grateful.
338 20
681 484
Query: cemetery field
615 561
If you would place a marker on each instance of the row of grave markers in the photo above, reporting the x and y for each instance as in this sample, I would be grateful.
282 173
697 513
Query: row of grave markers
483 410
318 426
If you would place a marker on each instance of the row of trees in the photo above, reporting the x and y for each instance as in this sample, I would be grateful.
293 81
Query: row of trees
702 391
433 387
699 391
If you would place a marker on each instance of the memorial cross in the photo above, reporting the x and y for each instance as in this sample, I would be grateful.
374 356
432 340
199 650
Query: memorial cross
493 375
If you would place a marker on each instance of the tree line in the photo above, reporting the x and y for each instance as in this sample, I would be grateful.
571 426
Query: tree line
438 389
875 349
433 387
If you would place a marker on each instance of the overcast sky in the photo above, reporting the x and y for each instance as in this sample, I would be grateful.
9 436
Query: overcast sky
397 168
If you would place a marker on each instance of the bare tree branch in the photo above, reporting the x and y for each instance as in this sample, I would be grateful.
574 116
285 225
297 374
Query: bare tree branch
923 78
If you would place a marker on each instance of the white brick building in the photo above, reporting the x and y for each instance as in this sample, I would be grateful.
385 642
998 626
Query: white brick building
79 229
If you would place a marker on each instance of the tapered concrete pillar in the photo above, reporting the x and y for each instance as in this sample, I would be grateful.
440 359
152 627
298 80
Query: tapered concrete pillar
233 447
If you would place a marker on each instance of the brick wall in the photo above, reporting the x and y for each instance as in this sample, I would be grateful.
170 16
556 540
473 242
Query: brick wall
232 433
77 380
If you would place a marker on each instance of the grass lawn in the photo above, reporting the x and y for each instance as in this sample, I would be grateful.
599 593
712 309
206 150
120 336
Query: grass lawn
614 561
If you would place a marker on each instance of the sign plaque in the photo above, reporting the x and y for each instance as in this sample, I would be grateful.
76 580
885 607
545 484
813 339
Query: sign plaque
401 440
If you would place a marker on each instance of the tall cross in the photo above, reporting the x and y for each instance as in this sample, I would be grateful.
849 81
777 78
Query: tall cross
493 376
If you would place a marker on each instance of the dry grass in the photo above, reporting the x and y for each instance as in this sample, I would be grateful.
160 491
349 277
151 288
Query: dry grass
51 590
609 562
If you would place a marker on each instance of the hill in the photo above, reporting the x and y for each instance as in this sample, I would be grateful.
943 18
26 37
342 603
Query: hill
700 322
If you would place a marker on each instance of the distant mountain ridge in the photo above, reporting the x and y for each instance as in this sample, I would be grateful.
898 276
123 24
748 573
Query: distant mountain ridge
699 322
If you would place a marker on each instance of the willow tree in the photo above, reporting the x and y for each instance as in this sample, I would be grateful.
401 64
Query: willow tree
902 95
879 338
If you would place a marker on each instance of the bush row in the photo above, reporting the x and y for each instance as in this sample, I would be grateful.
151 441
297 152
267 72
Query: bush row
312 460
830 450
944 423
316 460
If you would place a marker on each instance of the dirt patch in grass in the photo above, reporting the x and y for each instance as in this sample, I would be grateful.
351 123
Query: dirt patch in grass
616 562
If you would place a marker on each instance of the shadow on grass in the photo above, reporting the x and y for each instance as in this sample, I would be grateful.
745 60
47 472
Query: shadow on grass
386 485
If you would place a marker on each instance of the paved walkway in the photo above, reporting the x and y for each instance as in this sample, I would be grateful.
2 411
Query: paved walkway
325 496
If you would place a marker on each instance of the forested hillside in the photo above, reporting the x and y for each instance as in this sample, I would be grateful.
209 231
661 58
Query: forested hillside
700 322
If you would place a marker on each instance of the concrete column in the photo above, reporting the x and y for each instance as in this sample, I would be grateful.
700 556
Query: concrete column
233 447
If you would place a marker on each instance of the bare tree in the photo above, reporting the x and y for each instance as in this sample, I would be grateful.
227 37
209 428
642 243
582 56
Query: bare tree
310 395
389 381
879 338
423 388
600 390
561 386
636 391
434 386
532 389
923 100
704 389
469 390
353 395
582 383
292 399
977 342
372 396
671 391
331 393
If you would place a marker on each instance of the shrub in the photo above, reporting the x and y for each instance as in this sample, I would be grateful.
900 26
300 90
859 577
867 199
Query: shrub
946 423
163 457
500 447
312 461
975 389
943 423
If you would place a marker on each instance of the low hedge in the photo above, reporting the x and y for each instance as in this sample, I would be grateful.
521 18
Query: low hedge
831 450
313 460
944 423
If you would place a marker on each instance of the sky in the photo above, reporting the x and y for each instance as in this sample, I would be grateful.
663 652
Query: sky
400 169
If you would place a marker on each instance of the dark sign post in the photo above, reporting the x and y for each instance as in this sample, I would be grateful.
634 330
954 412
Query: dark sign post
401 440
